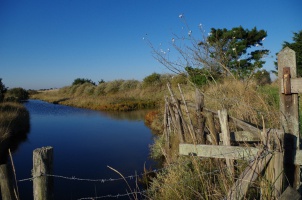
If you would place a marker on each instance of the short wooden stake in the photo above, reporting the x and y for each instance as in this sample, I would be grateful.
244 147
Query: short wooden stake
42 165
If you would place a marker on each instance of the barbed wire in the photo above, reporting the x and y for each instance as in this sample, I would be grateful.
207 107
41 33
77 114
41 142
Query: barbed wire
134 177
114 196
131 177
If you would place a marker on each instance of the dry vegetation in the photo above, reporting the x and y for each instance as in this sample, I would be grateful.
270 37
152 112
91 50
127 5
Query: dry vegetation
14 126
118 95
196 178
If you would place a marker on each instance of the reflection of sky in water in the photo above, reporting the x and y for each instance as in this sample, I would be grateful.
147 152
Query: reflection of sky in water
85 142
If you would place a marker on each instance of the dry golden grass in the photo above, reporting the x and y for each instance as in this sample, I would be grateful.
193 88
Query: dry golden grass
116 95
14 126
192 177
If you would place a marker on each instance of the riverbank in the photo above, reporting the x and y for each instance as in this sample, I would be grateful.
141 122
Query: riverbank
14 127
104 97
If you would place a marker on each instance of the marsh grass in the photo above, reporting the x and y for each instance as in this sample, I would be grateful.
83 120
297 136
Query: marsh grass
14 118
118 95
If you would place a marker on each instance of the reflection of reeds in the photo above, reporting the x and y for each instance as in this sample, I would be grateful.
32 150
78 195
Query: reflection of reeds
14 126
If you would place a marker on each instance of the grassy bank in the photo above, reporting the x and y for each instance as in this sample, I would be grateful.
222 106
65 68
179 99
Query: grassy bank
14 126
119 95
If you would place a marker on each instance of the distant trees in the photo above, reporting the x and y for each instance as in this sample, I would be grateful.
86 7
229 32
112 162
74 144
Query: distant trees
79 81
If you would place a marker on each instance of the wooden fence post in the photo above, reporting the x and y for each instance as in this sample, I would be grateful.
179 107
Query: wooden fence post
226 140
200 118
43 164
6 182
214 134
289 111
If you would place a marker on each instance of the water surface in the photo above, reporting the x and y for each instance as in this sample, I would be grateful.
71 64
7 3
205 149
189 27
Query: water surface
85 143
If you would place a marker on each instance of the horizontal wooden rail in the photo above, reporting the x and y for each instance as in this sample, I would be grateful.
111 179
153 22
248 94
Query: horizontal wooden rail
295 85
216 151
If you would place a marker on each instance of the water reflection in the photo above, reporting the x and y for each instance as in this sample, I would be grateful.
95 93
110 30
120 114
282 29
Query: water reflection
14 128
85 142
137 115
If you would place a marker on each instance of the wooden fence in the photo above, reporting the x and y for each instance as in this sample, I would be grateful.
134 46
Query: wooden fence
278 155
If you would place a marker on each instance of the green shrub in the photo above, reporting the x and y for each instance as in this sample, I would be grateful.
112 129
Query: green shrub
199 76
179 79
272 93
16 94
152 80
79 81
262 77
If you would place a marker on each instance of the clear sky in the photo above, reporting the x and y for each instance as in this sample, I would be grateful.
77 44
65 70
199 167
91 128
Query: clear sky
49 43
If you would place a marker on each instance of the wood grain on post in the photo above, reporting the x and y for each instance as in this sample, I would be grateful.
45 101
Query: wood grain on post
42 165
190 125
167 124
6 182
249 175
289 114
212 129
226 139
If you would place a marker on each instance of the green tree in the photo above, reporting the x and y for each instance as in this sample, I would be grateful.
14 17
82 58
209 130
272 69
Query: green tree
200 76
296 45
79 81
235 52
3 89
231 50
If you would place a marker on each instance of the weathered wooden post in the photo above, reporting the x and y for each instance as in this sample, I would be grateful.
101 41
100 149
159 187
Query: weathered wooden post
178 115
43 164
226 138
213 133
167 124
289 110
200 118
7 183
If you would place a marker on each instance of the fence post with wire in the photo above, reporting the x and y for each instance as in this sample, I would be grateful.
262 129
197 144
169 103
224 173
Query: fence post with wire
278 157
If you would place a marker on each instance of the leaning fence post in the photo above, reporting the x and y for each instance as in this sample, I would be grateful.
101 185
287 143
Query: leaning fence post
42 165
289 110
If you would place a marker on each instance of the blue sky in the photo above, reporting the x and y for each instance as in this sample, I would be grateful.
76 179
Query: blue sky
47 44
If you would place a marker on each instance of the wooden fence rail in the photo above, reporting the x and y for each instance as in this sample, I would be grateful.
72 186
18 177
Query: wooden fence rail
282 143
